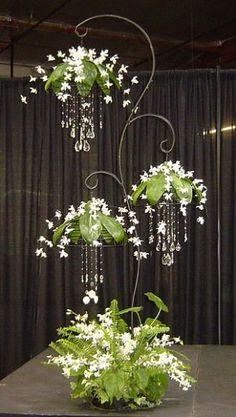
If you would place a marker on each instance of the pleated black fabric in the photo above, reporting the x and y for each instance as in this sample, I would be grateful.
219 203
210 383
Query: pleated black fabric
41 172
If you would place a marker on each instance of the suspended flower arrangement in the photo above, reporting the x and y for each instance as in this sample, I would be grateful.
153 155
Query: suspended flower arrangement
170 189
72 81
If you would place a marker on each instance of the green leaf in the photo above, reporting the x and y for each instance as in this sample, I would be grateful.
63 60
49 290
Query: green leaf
106 236
157 301
114 228
113 78
182 187
75 234
141 378
90 228
89 73
59 231
197 192
115 383
156 186
56 74
131 309
102 84
135 195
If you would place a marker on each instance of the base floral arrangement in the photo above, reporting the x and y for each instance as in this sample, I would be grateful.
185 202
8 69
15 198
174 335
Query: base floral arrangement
110 363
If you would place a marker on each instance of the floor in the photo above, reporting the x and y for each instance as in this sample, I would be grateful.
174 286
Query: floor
36 390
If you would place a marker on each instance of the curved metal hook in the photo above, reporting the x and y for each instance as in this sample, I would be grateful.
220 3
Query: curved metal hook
165 120
125 19
88 178
81 35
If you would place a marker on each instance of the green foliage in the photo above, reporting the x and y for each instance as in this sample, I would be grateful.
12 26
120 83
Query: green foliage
169 178
155 188
90 73
109 363
90 228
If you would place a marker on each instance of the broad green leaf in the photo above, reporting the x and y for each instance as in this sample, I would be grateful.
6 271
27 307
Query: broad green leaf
115 383
90 228
141 378
75 234
182 187
106 236
152 321
59 231
157 301
135 195
89 73
102 84
197 192
131 309
156 186
113 78
56 74
113 227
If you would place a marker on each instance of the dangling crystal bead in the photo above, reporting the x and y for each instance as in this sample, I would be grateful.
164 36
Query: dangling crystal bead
172 247
72 132
86 146
78 146
163 246
178 247
158 247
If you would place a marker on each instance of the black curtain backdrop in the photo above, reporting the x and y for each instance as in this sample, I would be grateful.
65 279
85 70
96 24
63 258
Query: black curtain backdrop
40 172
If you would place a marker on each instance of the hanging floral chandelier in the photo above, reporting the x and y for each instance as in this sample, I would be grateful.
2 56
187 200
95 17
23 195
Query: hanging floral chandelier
73 81
91 226
170 189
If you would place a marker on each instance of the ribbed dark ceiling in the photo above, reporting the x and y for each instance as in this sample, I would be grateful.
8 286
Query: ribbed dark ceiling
185 33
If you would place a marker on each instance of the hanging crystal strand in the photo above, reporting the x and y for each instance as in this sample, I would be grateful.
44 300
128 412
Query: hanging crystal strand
185 229
95 269
166 257
82 264
100 112
86 268
90 116
101 277
67 114
158 217
164 217
173 230
150 228
72 117
63 109
92 267
178 246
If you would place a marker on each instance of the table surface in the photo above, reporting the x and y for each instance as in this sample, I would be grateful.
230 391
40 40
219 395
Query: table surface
36 390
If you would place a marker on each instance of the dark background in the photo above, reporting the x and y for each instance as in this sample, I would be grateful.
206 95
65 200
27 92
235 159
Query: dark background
41 172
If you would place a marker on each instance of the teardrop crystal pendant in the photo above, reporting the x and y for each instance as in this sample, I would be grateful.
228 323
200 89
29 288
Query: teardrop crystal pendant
77 115
167 229
91 265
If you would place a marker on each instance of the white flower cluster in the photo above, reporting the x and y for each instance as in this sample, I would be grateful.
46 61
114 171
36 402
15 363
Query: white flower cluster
131 230
168 168
105 348
75 72
96 205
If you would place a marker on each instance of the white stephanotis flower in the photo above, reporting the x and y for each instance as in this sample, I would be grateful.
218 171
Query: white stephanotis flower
134 80
107 99
200 220
23 99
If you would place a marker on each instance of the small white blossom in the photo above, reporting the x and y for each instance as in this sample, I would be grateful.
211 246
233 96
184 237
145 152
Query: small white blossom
134 80
50 224
107 99
200 220
23 99
50 57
